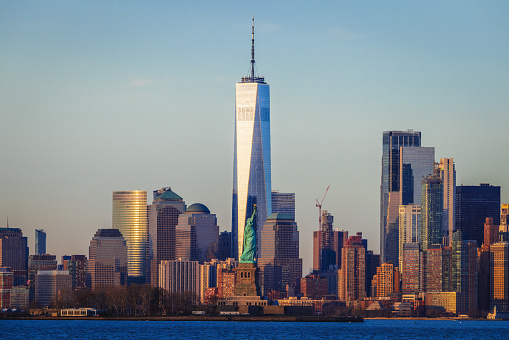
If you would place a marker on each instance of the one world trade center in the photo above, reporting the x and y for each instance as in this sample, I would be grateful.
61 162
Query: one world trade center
251 164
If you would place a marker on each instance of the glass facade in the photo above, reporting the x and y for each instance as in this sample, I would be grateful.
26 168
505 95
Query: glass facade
415 164
431 211
448 176
252 160
473 205
409 227
40 242
130 217
390 181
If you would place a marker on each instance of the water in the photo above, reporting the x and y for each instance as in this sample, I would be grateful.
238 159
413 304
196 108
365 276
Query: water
373 329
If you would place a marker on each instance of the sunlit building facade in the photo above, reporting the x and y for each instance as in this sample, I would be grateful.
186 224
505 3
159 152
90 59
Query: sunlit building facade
448 175
409 227
130 217
252 160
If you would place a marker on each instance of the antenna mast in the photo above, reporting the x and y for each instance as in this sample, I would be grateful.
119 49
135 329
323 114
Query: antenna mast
252 53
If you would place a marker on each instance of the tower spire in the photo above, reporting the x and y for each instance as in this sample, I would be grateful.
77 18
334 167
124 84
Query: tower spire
252 53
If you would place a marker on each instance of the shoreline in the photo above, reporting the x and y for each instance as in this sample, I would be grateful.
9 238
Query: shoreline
235 318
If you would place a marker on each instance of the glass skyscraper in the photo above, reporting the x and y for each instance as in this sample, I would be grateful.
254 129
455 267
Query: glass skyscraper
251 165
390 189
40 242
130 217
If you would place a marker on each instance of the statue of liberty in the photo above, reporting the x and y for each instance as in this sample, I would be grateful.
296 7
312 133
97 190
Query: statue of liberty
249 240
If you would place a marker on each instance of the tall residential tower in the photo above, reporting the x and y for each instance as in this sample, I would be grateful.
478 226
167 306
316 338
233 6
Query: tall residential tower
251 164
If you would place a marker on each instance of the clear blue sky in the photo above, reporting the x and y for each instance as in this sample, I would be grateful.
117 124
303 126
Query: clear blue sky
101 96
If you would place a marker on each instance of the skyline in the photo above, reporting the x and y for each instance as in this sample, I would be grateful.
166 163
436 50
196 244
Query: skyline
102 97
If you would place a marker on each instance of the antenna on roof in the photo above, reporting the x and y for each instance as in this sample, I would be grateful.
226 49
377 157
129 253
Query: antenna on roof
252 53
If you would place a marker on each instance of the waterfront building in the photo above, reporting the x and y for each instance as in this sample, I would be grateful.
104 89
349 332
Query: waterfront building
409 227
283 203
40 242
387 280
372 262
130 217
37 263
107 260
197 234
437 269
180 276
450 302
432 209
20 298
499 276
390 183
352 275
252 155
410 270
314 287
473 205
464 268
6 280
77 267
163 216
14 253
49 283
279 260
447 171
226 281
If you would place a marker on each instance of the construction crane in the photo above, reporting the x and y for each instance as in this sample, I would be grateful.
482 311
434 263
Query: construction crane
319 205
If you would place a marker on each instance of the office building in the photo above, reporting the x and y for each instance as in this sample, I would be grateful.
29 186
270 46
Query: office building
390 183
130 217
20 298
77 267
38 263
352 275
163 216
415 164
107 260
279 252
499 276
6 280
464 268
410 270
252 160
49 283
473 205
437 269
14 253
409 227
180 276
197 234
314 287
40 242
447 171
283 203
224 245
432 209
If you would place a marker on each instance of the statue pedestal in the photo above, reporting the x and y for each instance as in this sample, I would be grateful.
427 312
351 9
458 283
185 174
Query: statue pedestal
247 280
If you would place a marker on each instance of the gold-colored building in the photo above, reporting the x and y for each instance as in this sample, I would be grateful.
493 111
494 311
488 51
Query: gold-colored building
130 217
499 276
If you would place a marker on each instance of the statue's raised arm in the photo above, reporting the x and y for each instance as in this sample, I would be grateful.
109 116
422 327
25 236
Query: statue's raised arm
249 240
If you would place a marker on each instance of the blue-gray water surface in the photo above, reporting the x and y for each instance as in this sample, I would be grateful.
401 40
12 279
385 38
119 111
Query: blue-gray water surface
373 329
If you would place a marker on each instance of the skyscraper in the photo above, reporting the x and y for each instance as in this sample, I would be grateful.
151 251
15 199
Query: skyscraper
196 234
130 217
432 208
107 260
14 253
251 164
352 275
279 252
284 203
415 163
409 227
40 242
163 216
390 187
448 176
473 205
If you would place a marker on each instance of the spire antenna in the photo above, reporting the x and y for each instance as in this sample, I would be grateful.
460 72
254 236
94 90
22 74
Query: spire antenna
252 53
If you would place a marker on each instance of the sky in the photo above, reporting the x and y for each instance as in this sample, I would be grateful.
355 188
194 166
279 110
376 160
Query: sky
102 96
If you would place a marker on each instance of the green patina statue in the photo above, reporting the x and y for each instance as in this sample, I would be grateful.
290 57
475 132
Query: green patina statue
249 240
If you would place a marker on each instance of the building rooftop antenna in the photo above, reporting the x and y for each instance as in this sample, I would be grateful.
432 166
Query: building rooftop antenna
252 53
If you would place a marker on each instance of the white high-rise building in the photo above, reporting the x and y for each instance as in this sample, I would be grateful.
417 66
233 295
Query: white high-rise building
448 176
251 165
409 227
